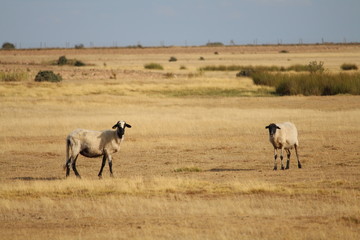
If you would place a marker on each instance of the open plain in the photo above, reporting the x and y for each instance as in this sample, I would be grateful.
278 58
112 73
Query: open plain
196 164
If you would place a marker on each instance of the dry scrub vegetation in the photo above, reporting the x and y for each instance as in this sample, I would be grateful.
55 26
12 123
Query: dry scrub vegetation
196 164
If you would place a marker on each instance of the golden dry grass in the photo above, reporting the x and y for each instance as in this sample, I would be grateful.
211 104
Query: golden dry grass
196 164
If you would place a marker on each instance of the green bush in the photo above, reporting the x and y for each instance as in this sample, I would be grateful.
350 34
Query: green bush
349 66
173 59
214 44
153 66
71 62
79 46
79 63
284 51
62 61
8 46
48 76
316 67
309 83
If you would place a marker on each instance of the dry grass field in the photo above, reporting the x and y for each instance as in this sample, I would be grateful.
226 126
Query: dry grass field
196 164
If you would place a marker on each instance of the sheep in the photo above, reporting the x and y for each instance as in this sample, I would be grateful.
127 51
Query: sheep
284 136
93 144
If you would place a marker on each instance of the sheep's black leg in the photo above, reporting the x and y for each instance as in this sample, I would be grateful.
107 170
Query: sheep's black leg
110 166
67 166
275 157
297 156
102 166
281 158
288 159
74 167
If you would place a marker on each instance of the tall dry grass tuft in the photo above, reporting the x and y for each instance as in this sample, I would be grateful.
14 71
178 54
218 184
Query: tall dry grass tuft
319 84
137 186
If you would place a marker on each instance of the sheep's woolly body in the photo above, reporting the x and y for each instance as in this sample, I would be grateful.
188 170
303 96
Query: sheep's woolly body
93 143
286 136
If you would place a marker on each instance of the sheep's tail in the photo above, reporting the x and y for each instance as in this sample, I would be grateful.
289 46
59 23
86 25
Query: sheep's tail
67 152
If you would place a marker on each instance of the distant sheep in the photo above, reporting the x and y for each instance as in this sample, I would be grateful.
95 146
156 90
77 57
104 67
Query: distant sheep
93 144
284 136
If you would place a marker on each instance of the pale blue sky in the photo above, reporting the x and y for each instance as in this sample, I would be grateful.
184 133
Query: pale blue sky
63 23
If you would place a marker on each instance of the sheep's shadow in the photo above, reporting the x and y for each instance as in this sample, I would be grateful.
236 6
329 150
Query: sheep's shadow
231 170
36 178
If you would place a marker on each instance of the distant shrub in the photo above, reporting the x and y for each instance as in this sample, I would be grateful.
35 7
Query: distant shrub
62 61
348 66
8 46
214 44
79 46
182 67
135 46
79 63
283 51
155 66
71 62
48 76
201 58
172 59
316 67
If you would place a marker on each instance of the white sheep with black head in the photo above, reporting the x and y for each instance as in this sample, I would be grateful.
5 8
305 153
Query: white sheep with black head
94 144
284 136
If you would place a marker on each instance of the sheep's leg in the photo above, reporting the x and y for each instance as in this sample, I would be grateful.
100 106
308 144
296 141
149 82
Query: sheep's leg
73 164
281 158
67 166
102 166
110 165
288 159
297 156
275 157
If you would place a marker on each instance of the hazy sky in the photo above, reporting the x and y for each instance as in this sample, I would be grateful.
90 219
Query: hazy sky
63 23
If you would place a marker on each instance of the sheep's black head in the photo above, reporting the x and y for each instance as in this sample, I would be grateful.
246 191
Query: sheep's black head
121 125
272 129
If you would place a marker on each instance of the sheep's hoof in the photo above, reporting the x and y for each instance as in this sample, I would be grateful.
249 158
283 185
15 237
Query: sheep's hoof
282 168
275 168
299 165
100 177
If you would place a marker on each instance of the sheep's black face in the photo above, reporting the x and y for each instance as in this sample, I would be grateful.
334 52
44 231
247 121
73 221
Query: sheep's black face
272 129
121 125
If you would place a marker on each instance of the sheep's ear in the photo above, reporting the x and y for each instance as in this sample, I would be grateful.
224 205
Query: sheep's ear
127 125
267 127
278 127
116 125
